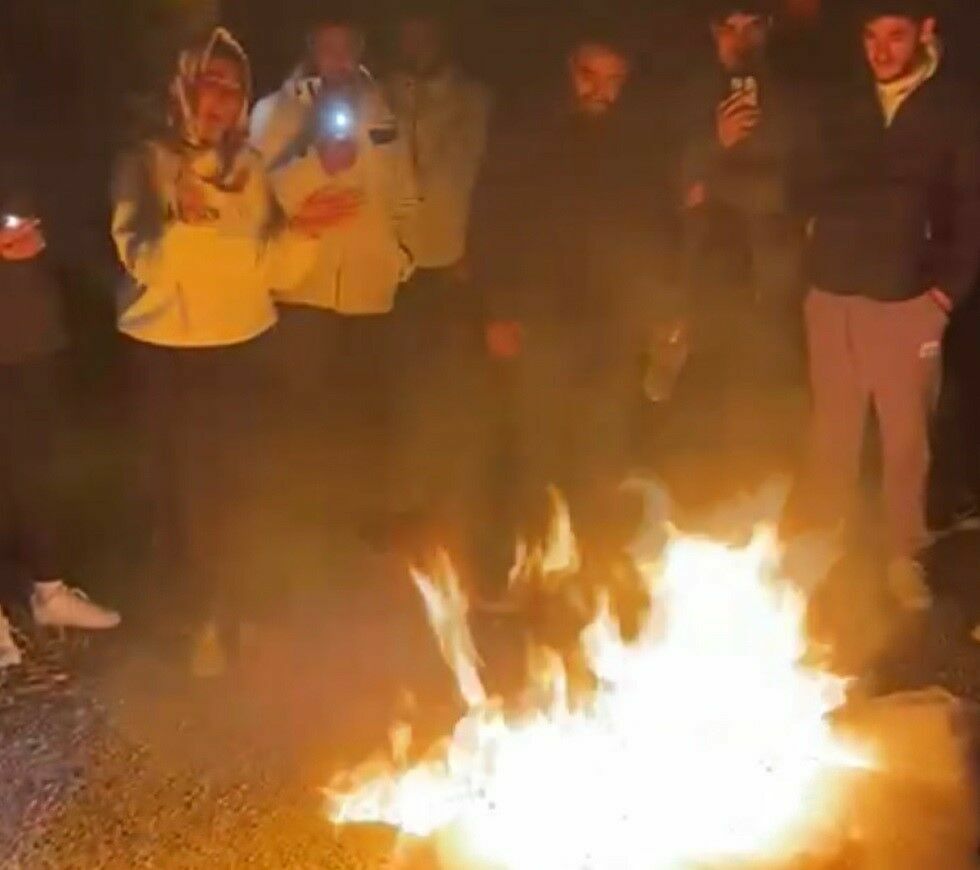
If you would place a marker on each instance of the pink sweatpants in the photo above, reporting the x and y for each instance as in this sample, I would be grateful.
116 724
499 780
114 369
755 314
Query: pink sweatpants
888 354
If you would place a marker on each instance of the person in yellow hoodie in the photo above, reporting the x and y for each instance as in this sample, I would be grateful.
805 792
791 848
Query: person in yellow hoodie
197 229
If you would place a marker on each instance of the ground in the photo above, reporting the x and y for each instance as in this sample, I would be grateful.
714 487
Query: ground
112 757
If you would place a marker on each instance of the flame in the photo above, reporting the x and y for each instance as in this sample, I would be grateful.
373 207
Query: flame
705 742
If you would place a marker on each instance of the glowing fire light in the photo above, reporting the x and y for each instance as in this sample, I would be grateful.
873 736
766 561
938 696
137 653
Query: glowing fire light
705 743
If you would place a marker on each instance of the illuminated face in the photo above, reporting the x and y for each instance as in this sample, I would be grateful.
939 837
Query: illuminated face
421 45
219 95
892 45
598 75
336 53
740 41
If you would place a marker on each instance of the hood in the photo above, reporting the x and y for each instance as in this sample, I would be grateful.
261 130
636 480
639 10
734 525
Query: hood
893 94
189 66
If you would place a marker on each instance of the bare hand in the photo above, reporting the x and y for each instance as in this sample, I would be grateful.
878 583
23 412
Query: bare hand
735 119
696 195
192 204
337 155
23 242
505 339
941 298
326 209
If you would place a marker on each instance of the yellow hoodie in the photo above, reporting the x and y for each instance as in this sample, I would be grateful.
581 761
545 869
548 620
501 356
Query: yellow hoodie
199 285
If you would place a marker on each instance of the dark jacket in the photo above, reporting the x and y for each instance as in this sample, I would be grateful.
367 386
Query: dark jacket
754 176
31 323
568 224
897 208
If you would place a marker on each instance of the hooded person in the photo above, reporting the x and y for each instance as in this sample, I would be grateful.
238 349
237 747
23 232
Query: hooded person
197 229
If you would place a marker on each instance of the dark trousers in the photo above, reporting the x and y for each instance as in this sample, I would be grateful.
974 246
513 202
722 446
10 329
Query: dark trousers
565 413
330 364
200 411
28 404
743 273
438 397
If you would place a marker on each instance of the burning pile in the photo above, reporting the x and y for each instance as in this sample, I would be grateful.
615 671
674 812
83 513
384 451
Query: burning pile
706 741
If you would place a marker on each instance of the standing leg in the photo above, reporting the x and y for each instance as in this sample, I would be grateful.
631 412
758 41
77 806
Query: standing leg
823 494
905 353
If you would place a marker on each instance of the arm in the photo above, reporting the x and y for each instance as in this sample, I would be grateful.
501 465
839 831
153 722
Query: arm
138 222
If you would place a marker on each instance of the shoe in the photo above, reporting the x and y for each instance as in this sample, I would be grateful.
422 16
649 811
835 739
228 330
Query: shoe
10 655
906 579
208 657
56 605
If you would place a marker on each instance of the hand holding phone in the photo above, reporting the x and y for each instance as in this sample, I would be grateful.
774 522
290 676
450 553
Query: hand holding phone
20 238
737 116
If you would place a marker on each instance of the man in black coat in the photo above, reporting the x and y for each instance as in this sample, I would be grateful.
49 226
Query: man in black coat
894 248
566 240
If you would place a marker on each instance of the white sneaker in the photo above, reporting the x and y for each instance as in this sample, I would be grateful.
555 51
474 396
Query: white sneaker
9 651
54 604
906 579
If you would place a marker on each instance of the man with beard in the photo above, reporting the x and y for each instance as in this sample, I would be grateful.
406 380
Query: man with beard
565 253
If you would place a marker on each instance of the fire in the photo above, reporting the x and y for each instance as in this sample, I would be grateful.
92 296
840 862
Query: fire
705 742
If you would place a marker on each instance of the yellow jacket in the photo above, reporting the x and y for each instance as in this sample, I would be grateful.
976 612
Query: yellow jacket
199 285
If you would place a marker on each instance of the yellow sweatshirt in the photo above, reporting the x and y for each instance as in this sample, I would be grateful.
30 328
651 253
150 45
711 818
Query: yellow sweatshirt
199 285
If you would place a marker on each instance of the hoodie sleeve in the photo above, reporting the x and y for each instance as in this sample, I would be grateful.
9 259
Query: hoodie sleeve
139 225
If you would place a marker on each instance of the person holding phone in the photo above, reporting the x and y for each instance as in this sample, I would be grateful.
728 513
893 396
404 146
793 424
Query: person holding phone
32 336
341 173
738 145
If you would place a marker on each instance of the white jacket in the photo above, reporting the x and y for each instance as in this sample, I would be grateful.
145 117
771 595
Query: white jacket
198 285
444 120
358 264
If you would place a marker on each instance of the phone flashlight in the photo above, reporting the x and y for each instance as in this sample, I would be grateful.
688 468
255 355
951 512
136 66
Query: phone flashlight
337 120
12 221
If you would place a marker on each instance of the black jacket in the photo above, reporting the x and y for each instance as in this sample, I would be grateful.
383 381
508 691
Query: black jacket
897 208
568 230
31 323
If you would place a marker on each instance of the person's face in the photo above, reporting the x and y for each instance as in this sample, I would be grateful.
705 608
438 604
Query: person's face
598 75
219 96
336 52
892 45
421 45
740 41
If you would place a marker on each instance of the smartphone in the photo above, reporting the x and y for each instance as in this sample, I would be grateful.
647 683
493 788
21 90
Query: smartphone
748 86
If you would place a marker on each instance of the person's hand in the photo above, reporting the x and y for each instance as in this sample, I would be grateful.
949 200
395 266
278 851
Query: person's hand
505 339
326 209
735 119
192 203
696 195
337 155
941 298
23 242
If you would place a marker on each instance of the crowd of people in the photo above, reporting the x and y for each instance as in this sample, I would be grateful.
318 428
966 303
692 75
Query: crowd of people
497 291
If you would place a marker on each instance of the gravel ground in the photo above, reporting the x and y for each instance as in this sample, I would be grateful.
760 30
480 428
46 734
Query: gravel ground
111 758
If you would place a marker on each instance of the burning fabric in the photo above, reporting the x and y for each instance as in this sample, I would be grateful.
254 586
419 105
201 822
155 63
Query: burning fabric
704 741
